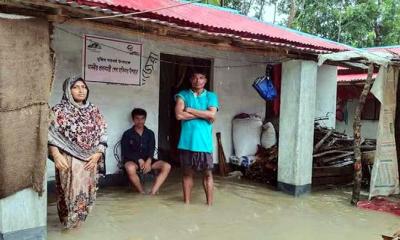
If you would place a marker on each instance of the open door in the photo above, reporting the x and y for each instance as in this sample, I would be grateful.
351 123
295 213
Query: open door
175 72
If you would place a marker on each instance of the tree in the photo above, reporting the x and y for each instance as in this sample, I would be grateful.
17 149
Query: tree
213 2
360 23
234 4
260 9
292 12
243 6
275 3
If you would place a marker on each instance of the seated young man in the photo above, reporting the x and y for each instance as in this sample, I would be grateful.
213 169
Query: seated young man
137 148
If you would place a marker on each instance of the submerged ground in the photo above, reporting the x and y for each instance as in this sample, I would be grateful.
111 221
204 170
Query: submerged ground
242 210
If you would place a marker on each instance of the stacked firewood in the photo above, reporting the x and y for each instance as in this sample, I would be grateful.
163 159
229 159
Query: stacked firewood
332 148
333 159
264 170
333 156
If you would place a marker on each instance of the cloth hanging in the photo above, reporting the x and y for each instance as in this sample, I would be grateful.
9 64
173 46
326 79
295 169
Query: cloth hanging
25 79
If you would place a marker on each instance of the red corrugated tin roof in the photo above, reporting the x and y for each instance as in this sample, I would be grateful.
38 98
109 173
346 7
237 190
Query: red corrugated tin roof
353 77
388 49
347 77
214 19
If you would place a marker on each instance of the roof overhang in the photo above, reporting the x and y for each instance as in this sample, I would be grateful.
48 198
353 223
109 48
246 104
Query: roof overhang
61 11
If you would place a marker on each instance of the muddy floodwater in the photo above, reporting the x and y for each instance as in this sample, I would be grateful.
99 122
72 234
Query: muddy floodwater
242 210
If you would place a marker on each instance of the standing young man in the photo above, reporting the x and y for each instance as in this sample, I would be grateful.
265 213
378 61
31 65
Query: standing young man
196 108
137 147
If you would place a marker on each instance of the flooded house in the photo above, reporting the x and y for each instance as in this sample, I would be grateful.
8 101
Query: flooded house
140 54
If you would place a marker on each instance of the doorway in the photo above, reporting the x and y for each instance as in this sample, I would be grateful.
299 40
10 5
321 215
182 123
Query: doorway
175 72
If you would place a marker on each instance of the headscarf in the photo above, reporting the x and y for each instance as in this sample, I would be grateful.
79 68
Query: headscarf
79 130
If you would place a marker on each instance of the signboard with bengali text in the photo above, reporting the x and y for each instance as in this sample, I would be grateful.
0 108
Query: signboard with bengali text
111 60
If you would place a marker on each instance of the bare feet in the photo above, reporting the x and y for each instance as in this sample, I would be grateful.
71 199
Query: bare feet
153 193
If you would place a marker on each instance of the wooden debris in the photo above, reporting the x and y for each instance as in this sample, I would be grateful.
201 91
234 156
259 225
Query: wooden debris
333 159
264 170
223 167
334 155
319 144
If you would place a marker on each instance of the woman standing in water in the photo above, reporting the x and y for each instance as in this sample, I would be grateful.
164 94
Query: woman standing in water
77 144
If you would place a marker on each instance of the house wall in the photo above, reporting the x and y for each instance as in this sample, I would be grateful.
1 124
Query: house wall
325 105
232 84
369 128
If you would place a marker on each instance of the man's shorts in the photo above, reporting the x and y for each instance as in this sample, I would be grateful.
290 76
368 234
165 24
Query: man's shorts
153 160
198 161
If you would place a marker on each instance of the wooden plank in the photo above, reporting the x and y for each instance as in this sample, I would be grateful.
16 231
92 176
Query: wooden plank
333 171
332 180
327 160
329 152
319 144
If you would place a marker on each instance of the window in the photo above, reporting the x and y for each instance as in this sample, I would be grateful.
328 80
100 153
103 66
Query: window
371 109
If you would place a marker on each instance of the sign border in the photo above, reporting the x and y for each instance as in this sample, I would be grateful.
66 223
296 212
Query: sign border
116 40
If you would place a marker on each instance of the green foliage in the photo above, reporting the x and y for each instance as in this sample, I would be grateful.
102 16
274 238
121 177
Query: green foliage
213 2
359 23
363 23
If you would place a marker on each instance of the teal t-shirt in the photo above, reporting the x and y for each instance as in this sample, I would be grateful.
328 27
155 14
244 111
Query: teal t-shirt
196 134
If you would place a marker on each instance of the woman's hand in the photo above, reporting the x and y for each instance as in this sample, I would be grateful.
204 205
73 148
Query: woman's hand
61 162
92 161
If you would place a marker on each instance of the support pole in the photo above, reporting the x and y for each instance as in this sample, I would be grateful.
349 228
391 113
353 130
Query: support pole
357 137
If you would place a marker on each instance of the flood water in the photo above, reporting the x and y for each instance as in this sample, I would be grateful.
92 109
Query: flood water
242 210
